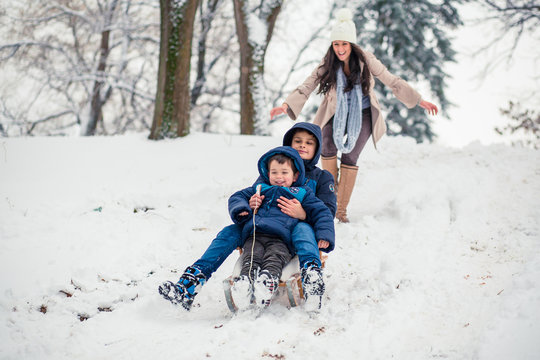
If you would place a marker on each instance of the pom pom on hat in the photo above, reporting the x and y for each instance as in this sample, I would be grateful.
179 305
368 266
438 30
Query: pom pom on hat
344 28
344 15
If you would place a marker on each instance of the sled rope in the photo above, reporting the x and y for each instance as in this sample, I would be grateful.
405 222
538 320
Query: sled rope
253 243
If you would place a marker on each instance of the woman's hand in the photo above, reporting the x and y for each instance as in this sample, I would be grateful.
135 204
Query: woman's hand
278 111
431 108
323 244
255 201
291 207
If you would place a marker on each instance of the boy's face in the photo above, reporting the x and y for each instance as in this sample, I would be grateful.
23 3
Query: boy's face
281 174
305 143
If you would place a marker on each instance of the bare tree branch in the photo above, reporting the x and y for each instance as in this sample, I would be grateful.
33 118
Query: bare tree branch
315 35
67 63
519 16
45 119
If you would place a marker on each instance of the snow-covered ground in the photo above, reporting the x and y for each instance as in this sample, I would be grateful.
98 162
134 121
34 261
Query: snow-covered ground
441 259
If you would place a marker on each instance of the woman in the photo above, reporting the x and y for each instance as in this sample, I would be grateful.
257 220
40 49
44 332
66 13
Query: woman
350 107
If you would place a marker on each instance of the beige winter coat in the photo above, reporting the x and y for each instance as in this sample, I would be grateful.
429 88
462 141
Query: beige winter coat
403 92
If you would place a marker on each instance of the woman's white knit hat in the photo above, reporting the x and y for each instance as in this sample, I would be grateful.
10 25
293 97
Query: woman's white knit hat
344 28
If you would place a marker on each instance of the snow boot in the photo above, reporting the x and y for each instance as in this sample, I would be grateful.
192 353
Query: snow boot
347 179
330 164
313 284
264 288
185 290
242 292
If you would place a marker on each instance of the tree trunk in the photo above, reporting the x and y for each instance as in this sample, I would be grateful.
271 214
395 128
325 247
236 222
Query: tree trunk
172 107
252 52
96 103
247 109
206 18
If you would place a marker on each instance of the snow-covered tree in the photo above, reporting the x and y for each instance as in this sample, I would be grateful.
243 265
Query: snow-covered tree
411 39
214 95
97 97
278 93
254 25
80 66
172 106
207 13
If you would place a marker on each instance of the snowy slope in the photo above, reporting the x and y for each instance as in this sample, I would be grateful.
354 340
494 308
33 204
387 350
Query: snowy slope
441 259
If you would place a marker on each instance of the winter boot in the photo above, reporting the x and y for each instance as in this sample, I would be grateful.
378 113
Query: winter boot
346 185
330 164
242 292
313 284
264 288
185 290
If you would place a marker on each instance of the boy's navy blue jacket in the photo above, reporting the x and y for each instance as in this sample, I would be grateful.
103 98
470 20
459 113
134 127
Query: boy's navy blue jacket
320 181
269 218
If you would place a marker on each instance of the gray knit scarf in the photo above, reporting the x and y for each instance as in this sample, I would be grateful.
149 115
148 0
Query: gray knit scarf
348 116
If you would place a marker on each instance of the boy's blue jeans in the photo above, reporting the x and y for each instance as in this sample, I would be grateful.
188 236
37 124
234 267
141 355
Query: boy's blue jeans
226 241
230 238
306 246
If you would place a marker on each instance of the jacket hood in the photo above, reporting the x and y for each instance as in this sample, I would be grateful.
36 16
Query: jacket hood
287 151
315 130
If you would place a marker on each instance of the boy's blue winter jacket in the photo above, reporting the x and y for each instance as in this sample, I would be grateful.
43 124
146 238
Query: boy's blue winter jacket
269 218
320 181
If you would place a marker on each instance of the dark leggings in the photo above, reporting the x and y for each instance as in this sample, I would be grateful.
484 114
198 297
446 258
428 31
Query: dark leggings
329 149
269 253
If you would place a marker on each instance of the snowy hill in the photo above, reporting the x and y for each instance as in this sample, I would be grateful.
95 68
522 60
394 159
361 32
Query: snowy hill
441 259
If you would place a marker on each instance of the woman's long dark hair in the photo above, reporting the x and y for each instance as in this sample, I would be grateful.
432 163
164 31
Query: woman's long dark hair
332 63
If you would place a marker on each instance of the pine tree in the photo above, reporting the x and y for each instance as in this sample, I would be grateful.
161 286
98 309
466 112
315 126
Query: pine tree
410 38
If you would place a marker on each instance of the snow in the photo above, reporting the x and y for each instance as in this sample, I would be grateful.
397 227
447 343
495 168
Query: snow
441 258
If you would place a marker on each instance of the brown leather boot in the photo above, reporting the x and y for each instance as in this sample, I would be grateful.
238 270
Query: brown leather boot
330 164
346 185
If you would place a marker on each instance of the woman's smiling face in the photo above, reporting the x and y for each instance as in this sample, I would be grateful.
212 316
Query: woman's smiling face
342 49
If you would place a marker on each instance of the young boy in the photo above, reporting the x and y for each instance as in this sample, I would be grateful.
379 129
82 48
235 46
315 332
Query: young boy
306 139
268 236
